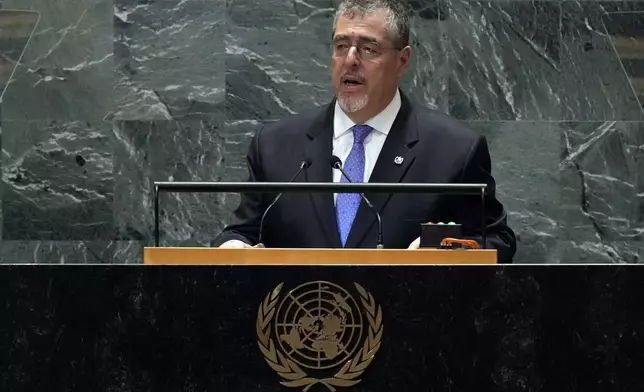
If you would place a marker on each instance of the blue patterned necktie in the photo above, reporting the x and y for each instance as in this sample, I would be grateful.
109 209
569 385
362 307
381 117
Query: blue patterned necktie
347 203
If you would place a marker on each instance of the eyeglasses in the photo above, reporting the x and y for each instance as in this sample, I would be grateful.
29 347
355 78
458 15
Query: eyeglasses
366 50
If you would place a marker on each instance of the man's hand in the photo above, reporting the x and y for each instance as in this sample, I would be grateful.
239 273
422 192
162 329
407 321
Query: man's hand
234 244
415 244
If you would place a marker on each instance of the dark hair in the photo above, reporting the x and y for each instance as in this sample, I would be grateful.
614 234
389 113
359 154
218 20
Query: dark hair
397 19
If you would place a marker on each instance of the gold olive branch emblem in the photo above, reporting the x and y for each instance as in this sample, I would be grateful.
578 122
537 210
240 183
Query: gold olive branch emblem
348 375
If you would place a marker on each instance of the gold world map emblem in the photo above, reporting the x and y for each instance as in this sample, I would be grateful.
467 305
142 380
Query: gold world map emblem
318 333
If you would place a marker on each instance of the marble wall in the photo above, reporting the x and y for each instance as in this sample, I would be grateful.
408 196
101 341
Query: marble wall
112 95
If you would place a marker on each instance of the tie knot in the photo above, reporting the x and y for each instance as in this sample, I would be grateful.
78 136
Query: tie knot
360 132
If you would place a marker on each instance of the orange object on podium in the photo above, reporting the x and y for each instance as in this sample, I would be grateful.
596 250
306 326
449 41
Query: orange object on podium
311 256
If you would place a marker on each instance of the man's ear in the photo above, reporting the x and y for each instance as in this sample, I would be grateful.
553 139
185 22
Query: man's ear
404 60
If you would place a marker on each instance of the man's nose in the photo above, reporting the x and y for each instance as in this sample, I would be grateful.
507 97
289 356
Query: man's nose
352 58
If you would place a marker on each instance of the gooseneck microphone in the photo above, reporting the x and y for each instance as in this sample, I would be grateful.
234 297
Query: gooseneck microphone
305 164
336 163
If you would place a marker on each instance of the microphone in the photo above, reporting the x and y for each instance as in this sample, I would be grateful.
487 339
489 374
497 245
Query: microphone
305 164
336 163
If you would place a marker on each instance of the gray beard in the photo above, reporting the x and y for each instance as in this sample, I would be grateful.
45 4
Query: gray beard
352 104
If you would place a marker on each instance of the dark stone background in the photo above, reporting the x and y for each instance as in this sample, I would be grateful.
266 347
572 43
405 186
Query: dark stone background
113 95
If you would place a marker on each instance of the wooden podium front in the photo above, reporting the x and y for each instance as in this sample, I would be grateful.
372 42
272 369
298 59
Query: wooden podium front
308 256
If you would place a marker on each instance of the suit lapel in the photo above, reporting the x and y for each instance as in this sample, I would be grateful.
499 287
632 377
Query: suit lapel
320 149
399 144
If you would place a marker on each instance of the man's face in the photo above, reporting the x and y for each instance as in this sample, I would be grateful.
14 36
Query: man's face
366 65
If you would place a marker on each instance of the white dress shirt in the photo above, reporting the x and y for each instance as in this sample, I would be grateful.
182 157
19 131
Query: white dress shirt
343 137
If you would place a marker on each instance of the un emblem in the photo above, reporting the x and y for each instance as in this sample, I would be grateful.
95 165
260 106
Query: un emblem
319 328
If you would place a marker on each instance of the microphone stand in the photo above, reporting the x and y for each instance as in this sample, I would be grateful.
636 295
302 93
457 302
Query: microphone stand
304 165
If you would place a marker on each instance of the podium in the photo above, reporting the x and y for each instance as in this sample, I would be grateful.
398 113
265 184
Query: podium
310 256
275 328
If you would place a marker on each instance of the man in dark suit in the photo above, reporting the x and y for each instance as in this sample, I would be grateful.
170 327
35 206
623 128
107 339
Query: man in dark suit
380 136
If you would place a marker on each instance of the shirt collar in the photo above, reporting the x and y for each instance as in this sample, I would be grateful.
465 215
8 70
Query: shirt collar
382 122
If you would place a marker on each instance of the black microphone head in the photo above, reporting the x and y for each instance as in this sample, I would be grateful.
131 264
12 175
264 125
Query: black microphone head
306 163
335 162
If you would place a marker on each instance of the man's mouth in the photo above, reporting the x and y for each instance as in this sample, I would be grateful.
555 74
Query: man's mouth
351 81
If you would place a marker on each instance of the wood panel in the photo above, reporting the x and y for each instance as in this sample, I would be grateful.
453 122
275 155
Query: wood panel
271 256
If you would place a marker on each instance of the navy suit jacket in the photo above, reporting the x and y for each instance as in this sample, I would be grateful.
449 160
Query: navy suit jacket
435 148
